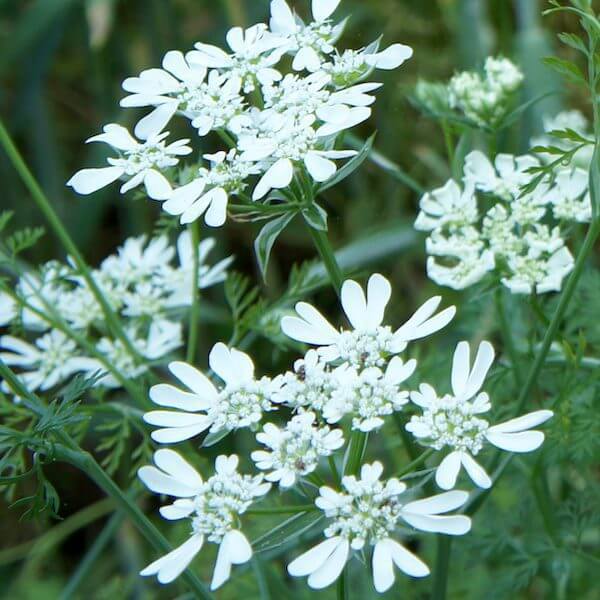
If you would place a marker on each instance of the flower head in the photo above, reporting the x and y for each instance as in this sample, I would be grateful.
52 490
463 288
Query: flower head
240 403
295 450
369 343
367 513
453 421
141 162
212 506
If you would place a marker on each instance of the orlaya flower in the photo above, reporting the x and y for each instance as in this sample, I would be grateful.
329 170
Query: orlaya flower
196 500
369 343
141 162
53 359
285 144
504 178
240 403
453 420
255 52
308 43
349 530
209 193
295 450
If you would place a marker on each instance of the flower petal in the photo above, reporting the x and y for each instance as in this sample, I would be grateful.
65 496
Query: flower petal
383 567
476 472
354 303
522 423
88 181
447 471
523 441
332 568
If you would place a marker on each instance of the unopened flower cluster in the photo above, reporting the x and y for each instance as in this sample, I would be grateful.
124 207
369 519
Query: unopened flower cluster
487 224
484 98
275 125
348 383
147 283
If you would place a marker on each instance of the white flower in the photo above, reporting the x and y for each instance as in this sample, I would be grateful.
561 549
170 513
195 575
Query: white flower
368 343
369 395
255 52
470 268
453 420
503 179
485 100
240 403
570 196
448 206
309 386
52 360
177 282
353 65
286 144
502 75
141 162
213 507
297 96
309 43
295 451
138 260
534 272
209 193
368 511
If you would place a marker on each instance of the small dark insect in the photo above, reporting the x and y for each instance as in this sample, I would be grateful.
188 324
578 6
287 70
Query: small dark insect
300 464
301 373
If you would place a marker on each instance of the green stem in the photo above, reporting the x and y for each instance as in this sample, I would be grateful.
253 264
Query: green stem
442 562
559 313
194 308
325 250
479 497
342 585
86 463
415 463
507 337
45 207
356 452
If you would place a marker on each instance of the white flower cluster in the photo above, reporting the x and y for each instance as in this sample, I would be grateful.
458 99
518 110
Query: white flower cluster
277 125
368 511
452 421
487 224
213 506
484 99
143 286
354 378
296 449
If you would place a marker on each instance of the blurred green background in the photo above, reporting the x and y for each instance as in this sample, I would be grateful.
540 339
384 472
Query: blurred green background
61 65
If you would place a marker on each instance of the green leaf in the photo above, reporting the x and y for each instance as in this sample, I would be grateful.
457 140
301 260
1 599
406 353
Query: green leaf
266 239
214 438
574 41
286 531
566 68
595 182
5 217
349 167
315 216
